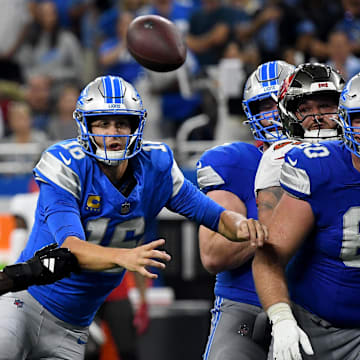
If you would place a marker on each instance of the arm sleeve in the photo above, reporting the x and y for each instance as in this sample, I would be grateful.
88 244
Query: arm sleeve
196 206
62 214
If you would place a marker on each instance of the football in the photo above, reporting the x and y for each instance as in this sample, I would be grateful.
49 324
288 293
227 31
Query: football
156 43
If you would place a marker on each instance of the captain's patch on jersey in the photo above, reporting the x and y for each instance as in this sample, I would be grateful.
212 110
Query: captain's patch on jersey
93 203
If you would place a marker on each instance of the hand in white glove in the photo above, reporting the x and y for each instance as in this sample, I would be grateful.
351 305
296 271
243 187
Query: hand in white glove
287 335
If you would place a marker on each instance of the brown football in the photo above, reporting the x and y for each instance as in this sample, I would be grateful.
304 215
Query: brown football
156 43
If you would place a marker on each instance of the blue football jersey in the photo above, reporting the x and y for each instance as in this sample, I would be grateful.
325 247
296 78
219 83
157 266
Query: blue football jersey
232 167
109 217
324 277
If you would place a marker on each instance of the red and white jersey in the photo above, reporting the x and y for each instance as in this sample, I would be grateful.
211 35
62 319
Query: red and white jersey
268 172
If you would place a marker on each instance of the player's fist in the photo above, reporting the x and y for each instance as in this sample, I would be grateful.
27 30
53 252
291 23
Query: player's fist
253 231
238 228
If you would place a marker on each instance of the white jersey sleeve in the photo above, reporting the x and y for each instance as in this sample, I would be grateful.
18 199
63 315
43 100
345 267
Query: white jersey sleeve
268 172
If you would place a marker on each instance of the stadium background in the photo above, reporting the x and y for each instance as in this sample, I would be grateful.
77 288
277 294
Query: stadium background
50 49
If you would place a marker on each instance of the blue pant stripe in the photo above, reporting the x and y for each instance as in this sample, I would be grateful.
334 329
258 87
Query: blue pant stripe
214 324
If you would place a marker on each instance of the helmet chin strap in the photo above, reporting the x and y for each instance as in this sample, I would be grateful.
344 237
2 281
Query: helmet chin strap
111 158
315 136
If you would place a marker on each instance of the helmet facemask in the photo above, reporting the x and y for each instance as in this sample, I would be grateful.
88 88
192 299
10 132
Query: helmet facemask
316 132
265 125
319 83
349 109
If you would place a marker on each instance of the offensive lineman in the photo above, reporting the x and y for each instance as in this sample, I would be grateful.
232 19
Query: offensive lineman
97 195
226 173
318 219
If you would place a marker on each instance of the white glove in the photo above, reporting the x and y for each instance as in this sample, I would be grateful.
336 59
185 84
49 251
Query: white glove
287 334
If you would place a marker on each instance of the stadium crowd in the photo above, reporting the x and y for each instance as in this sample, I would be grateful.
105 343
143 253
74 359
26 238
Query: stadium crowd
50 49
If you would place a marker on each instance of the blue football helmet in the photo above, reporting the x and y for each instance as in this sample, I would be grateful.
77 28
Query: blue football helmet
349 106
110 95
262 84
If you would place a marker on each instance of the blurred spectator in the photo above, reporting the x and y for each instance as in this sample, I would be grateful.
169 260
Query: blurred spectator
52 51
108 19
62 125
20 125
278 25
175 10
209 32
320 17
38 95
21 133
114 56
15 20
69 12
9 91
350 24
176 106
249 56
340 56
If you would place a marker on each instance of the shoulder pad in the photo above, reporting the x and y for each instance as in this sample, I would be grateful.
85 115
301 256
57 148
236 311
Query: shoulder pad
217 165
61 165
303 169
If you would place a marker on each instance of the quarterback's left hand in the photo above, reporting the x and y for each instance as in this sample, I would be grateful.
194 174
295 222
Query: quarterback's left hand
252 230
236 227
141 319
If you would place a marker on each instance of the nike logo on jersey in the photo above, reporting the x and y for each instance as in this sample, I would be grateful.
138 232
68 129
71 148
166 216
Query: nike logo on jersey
65 160
279 158
292 162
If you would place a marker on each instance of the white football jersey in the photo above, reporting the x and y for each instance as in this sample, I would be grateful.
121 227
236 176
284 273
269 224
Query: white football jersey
268 172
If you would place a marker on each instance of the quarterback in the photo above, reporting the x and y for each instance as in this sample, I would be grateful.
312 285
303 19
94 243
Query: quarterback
98 193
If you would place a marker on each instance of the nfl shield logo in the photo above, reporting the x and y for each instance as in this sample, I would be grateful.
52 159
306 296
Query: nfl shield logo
125 208
243 330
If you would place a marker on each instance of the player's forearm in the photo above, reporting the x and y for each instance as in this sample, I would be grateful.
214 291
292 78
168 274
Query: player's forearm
94 257
269 277
218 254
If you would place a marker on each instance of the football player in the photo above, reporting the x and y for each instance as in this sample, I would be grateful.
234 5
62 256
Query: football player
239 328
318 216
307 105
98 194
